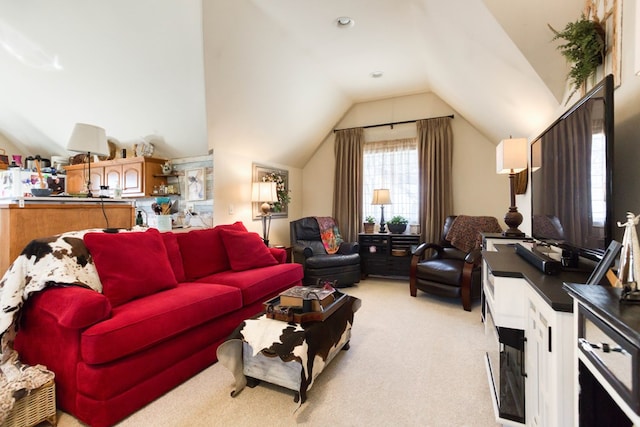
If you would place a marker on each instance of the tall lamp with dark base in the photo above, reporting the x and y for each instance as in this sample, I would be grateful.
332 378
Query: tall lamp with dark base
88 139
381 197
511 158
265 192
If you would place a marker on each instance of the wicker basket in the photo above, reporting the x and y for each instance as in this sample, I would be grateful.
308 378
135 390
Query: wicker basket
34 408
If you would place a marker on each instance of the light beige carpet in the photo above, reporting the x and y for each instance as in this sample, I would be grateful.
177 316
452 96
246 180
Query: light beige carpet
412 362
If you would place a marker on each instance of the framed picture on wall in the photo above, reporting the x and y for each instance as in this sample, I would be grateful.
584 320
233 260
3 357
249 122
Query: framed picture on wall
194 183
279 209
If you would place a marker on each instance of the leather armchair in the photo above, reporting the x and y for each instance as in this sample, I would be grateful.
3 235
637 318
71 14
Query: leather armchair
450 271
308 250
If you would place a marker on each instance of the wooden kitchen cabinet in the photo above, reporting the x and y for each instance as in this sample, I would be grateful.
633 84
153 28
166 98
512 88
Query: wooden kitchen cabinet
136 176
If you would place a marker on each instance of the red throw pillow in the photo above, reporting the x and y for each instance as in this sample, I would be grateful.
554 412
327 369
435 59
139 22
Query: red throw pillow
246 250
203 252
130 265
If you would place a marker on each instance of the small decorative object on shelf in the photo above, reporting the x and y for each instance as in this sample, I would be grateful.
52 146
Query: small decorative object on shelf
144 149
167 168
629 270
139 220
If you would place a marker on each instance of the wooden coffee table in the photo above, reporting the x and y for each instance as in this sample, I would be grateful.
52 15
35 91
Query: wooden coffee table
288 354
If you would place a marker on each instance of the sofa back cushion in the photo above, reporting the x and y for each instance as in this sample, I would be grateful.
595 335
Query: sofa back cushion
246 250
203 252
130 265
175 257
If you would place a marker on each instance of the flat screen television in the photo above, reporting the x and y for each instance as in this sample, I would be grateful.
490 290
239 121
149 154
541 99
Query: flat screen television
571 177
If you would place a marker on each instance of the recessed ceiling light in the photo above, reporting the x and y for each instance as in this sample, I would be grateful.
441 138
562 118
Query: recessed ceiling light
344 22
377 74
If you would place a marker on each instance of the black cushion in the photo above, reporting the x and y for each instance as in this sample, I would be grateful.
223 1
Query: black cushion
326 261
306 229
446 271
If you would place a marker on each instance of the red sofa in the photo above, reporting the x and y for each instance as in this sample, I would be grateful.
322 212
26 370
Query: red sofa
168 301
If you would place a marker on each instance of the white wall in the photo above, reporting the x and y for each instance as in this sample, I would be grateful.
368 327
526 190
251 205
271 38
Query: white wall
133 68
477 189
232 194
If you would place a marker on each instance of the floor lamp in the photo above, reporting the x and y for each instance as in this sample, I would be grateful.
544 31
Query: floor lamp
511 158
88 139
265 193
381 197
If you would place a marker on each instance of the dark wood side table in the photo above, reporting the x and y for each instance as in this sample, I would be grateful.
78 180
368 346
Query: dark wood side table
386 254
287 249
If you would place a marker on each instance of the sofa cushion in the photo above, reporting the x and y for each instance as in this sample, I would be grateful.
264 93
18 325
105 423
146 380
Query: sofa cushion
246 250
144 322
173 252
259 284
203 252
130 265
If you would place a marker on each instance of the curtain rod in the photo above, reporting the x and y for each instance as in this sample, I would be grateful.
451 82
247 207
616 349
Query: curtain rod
393 123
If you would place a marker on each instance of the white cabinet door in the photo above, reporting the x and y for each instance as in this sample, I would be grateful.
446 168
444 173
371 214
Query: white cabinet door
537 356
549 356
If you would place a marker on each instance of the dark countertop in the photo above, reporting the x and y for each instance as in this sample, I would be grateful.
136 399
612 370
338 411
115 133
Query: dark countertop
605 303
506 263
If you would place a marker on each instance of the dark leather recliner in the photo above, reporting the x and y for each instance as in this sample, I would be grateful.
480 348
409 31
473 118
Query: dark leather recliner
308 250
449 271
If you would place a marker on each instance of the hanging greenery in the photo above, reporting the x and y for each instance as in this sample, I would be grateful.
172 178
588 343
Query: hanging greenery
281 189
584 48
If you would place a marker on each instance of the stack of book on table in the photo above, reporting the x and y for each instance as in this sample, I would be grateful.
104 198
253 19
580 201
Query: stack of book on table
317 298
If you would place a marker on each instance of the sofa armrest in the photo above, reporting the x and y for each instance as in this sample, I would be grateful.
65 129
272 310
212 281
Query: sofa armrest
72 307
348 248
279 254
419 253
474 257
302 251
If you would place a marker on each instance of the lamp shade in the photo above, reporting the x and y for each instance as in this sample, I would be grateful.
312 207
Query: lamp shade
264 192
88 139
381 196
511 155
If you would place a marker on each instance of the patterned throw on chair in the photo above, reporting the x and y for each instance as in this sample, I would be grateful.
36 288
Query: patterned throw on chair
329 233
465 231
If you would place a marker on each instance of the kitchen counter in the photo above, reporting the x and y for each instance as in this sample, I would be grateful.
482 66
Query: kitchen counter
23 219
20 201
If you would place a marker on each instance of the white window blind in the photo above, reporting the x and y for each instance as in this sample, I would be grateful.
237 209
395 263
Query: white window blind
393 165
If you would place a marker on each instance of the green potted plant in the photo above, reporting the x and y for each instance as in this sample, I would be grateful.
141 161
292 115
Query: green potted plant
584 48
397 224
369 223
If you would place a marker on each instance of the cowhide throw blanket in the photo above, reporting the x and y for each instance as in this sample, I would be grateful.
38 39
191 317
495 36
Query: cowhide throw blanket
55 261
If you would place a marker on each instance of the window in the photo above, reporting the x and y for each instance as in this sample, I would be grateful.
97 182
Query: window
392 165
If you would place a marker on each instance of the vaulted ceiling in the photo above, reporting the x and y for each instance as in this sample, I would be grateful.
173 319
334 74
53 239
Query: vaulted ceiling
270 78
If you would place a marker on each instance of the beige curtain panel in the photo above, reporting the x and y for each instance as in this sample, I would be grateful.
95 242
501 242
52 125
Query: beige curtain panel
347 191
435 158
